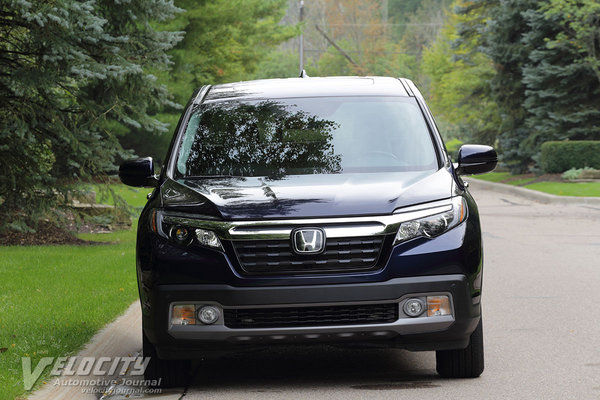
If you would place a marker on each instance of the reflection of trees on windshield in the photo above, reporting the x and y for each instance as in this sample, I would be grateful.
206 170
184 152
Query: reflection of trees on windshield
257 139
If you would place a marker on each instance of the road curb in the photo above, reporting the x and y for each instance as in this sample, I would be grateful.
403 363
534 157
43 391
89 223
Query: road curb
533 195
121 337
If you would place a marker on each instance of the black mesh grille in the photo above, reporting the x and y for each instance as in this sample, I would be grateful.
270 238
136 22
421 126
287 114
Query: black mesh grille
340 255
311 316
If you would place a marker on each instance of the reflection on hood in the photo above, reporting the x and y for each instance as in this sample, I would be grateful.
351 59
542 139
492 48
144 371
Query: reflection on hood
303 196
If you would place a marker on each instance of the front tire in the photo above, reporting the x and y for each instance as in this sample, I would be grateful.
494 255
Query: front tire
167 373
464 363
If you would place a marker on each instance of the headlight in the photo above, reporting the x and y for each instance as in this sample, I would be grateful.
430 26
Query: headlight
208 238
434 225
182 234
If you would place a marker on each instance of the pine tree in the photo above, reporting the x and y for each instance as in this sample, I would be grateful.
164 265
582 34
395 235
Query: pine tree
502 42
225 40
459 76
69 70
547 82
562 86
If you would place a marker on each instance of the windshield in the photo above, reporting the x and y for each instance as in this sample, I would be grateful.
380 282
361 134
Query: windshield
296 136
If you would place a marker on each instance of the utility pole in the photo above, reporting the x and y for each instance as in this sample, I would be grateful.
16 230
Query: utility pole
385 17
335 45
301 38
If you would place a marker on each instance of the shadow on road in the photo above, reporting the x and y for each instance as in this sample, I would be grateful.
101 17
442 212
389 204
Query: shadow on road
366 369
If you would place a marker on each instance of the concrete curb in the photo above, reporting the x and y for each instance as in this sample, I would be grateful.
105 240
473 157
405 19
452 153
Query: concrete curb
122 337
532 195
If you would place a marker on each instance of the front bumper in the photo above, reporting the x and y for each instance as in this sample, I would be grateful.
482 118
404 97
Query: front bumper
421 333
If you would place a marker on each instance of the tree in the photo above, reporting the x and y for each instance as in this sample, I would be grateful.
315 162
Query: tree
360 30
359 24
580 27
545 85
459 76
562 78
546 62
501 40
279 63
68 71
400 13
424 26
225 41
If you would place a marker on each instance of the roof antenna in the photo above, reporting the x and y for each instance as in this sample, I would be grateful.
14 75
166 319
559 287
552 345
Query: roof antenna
303 74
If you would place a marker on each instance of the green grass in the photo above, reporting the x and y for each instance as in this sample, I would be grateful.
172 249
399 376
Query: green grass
494 176
135 197
578 189
519 182
53 299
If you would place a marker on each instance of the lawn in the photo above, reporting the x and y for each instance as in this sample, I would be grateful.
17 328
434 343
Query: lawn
578 189
494 176
135 197
53 299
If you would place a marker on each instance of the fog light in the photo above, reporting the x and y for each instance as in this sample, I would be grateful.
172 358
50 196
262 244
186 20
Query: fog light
414 307
208 238
438 305
208 315
183 314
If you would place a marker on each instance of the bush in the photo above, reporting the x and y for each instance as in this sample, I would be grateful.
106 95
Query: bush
589 173
572 174
558 157
452 147
581 173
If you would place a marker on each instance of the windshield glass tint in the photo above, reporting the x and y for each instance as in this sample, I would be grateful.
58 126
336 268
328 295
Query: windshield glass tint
295 136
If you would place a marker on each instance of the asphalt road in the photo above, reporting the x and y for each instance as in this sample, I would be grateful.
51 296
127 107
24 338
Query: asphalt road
541 307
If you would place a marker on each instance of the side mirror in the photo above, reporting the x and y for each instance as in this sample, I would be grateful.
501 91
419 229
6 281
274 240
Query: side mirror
476 159
138 172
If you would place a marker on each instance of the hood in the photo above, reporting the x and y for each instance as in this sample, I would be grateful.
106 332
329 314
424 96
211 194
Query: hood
304 196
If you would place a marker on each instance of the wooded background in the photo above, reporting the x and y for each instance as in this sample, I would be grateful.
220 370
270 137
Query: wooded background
85 84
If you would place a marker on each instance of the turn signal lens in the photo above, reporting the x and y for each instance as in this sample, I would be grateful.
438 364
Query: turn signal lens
183 314
438 305
153 221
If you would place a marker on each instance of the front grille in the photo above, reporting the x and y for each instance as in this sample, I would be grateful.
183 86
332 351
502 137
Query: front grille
311 316
340 255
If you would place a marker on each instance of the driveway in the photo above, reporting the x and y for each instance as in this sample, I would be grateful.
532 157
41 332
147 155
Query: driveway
541 307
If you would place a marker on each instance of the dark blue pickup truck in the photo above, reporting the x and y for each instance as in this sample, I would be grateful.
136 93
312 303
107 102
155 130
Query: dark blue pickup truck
309 210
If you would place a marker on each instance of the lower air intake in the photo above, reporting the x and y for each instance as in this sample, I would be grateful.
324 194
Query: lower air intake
311 316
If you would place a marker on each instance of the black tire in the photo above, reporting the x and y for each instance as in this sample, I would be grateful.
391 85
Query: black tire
464 363
168 373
